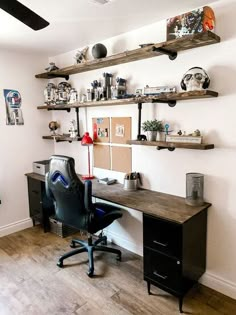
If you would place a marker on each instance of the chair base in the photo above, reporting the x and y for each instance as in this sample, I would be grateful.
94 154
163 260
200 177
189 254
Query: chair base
89 247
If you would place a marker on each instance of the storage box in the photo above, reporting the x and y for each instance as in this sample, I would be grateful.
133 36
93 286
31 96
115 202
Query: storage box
184 139
41 167
60 228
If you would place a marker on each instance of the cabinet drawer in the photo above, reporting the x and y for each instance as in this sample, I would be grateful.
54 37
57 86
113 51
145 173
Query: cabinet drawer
162 269
162 235
34 187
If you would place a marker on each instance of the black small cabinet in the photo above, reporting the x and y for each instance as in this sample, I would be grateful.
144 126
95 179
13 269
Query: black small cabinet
40 206
174 253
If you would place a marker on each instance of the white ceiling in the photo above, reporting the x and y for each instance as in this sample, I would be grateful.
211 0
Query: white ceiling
76 23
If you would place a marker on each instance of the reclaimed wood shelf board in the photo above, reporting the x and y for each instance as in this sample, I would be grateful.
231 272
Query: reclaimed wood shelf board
62 138
175 45
163 144
164 97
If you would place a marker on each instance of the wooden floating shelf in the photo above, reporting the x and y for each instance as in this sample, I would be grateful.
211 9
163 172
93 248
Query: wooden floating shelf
173 145
135 100
62 138
172 46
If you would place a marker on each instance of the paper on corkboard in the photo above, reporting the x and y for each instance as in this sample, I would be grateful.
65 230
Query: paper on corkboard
101 129
120 129
121 159
101 156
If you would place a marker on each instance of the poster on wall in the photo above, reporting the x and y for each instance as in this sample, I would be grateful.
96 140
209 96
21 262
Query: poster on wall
14 115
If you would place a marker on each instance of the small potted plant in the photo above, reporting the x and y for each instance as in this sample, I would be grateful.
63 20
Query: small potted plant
152 127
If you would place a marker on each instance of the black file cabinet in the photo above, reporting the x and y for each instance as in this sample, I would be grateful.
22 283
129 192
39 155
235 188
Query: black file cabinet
174 253
40 206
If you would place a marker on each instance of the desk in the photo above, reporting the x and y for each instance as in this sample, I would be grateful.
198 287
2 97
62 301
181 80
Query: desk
174 235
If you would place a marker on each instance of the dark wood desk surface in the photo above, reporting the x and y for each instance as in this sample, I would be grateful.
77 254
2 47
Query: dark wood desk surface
168 207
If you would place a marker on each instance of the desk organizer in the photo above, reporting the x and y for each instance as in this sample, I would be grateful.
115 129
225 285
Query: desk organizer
60 228
130 184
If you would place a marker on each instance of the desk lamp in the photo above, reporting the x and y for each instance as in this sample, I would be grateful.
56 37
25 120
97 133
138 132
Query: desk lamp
87 141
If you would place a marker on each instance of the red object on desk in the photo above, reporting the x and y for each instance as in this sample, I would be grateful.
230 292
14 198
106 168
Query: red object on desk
87 141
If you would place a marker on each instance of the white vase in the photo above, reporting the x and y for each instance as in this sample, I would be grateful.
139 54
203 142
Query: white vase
151 135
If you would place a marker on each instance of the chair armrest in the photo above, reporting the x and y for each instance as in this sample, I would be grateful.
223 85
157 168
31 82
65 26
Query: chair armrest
88 196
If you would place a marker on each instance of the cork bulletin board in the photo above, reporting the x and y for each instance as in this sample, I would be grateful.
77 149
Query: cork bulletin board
120 129
108 131
101 129
101 156
121 159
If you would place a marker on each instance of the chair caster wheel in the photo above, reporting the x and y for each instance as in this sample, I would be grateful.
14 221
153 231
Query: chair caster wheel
60 264
72 244
90 273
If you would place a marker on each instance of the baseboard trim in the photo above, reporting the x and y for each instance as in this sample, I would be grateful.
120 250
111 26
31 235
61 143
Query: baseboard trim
127 244
15 227
219 284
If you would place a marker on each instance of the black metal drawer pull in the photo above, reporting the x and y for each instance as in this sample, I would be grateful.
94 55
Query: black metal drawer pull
159 275
159 243
35 192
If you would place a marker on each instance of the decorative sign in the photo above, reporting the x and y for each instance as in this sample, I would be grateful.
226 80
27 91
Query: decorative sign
14 115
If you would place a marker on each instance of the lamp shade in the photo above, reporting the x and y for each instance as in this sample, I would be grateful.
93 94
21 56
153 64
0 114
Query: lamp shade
86 140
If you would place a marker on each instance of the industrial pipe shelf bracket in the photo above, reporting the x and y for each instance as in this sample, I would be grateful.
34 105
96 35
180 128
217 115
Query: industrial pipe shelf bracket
170 103
171 149
172 54
67 109
54 75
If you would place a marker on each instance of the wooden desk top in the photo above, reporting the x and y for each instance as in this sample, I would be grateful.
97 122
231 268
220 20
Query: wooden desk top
168 207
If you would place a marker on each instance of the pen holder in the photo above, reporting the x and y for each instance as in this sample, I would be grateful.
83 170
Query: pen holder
130 184
194 189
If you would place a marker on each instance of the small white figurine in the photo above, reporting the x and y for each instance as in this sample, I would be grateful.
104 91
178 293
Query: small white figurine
73 129
50 94
80 56
73 96
51 67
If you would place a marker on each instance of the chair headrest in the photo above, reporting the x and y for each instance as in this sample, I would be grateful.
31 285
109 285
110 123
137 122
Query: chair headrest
62 170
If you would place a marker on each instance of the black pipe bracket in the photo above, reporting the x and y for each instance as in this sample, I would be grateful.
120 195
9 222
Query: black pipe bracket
171 149
172 54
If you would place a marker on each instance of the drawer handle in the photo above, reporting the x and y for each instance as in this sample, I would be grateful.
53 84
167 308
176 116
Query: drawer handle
159 275
35 192
159 243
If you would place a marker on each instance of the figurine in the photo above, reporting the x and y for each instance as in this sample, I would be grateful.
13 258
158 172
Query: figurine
63 93
53 126
51 67
195 79
73 129
50 94
73 96
80 56
196 133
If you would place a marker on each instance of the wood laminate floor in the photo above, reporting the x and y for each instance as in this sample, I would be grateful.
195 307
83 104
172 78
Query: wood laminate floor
32 284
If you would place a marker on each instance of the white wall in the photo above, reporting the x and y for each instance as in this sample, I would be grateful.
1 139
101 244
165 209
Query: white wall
163 170
20 145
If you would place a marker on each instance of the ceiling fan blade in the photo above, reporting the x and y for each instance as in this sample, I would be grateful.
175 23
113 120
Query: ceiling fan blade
23 14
